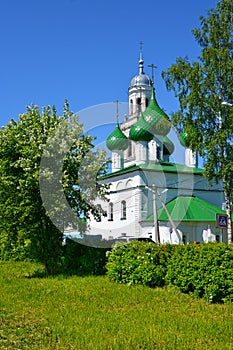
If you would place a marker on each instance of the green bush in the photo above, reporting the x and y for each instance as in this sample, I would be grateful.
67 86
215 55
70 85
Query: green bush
205 270
14 251
138 263
83 260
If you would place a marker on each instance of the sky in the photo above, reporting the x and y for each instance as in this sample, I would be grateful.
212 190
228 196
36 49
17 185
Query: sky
87 52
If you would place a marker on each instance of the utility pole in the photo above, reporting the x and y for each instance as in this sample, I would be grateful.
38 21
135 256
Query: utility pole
155 191
169 217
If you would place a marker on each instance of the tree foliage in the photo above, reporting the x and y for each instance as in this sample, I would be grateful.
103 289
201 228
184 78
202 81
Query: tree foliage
205 92
43 154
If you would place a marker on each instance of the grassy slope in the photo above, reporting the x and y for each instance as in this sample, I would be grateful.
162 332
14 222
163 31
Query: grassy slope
92 313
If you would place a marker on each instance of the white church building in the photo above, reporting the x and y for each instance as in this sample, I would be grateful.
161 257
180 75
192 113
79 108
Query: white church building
149 195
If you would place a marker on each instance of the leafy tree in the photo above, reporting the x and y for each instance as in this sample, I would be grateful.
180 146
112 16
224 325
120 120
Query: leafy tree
205 92
48 172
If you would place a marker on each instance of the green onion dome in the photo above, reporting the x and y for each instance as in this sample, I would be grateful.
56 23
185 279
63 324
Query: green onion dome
140 131
156 118
168 146
117 141
189 134
183 138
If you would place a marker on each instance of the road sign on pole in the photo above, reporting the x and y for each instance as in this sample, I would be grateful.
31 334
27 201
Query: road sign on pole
221 221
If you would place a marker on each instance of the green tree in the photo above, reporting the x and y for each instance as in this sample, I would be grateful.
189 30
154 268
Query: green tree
205 92
48 179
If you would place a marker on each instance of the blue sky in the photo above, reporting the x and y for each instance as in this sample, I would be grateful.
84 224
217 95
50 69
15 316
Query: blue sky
87 51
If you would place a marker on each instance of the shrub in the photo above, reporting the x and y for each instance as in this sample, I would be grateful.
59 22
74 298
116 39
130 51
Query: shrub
138 263
204 270
15 251
83 260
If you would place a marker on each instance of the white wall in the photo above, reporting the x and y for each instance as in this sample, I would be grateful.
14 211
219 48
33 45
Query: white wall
130 187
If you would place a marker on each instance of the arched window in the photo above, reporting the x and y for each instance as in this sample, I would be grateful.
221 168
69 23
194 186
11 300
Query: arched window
123 210
158 152
110 212
131 106
139 101
147 102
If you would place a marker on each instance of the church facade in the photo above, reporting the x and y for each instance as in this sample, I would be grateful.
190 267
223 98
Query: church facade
149 195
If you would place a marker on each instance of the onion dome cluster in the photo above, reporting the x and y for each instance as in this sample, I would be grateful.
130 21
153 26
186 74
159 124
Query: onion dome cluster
152 122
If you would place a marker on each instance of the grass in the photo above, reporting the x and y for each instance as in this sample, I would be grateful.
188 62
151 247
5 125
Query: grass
94 314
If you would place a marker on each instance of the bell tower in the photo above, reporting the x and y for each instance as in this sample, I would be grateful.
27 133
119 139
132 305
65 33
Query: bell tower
139 91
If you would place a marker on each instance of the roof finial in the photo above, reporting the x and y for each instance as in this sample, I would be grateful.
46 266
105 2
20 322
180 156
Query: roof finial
141 44
141 60
153 69
117 114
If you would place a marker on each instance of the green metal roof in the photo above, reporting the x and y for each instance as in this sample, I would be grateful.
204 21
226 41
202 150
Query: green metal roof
165 167
186 208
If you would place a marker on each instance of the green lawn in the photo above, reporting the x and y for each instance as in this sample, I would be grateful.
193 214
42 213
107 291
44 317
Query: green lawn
93 313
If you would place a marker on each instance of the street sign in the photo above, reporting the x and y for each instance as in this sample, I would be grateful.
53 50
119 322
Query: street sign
221 220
